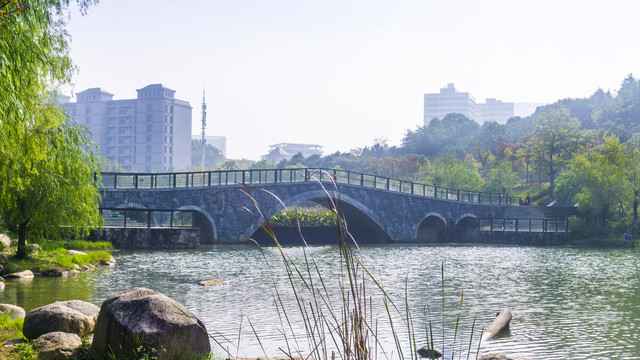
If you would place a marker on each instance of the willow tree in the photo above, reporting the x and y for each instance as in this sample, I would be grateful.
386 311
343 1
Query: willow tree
47 164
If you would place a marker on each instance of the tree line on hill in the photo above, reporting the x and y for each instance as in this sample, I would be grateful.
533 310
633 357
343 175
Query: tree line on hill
582 152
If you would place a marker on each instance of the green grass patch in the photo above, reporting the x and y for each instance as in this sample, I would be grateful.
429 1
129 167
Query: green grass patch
10 329
54 259
538 193
82 245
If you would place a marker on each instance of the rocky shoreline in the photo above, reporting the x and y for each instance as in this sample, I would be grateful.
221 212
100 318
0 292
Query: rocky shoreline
138 320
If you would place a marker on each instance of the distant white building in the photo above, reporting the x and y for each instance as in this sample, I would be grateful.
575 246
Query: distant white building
495 110
449 100
285 151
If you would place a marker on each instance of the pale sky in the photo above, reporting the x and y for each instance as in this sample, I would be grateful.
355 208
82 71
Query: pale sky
341 73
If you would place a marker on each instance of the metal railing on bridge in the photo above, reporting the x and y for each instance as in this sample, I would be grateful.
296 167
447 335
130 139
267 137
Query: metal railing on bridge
523 225
143 218
270 176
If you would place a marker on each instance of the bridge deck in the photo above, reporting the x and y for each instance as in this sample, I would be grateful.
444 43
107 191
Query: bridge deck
273 176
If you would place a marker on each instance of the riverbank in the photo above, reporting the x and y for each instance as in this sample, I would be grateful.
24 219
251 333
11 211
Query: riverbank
53 258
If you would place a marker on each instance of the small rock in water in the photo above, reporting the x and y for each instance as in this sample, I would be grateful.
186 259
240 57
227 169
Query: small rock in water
212 282
110 262
25 274
429 353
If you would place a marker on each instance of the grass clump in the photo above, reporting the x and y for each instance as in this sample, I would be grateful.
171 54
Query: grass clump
9 328
81 245
54 259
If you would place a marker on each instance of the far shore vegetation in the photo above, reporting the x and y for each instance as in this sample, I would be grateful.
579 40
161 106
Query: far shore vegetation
582 152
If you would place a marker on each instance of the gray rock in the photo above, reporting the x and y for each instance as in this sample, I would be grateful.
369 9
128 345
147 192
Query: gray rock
14 342
142 316
60 272
2 286
110 262
16 312
34 249
212 282
25 274
426 352
87 267
56 345
5 242
76 252
73 316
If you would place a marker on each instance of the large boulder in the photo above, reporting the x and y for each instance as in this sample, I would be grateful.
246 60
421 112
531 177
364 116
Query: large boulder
15 312
56 345
73 316
145 318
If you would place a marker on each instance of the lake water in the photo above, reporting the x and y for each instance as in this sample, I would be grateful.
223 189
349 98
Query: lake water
566 303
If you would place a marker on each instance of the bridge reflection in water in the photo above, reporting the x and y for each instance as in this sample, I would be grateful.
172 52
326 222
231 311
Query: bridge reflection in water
399 210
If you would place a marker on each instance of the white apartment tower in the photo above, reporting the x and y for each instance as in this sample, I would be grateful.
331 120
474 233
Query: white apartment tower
149 133
449 100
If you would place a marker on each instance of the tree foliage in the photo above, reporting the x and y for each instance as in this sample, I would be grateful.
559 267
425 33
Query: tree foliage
602 177
453 135
47 164
555 141
213 157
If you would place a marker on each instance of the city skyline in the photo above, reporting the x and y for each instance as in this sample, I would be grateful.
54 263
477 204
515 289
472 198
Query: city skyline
342 74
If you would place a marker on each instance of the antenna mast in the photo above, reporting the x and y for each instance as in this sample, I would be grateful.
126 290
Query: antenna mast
204 124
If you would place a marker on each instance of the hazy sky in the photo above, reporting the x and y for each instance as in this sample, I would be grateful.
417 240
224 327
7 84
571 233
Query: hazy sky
340 73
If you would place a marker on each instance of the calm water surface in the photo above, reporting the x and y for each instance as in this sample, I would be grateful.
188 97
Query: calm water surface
566 303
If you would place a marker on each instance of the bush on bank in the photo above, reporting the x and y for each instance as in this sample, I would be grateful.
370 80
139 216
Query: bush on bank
305 218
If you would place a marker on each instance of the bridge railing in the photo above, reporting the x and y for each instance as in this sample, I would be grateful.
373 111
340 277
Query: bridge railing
523 225
143 218
270 176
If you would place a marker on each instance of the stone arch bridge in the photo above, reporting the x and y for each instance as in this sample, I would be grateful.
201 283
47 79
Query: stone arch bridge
225 201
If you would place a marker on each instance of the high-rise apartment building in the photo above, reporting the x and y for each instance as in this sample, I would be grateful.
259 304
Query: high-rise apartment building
449 100
149 133
495 110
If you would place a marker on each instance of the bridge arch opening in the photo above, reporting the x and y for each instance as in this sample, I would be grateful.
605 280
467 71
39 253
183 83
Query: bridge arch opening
465 226
467 222
432 229
204 222
362 223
